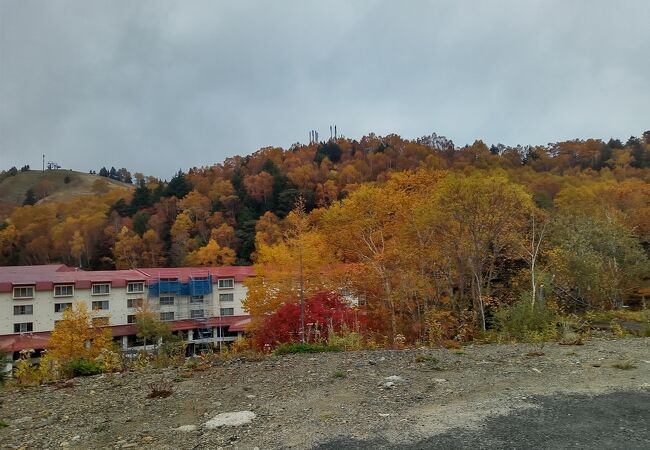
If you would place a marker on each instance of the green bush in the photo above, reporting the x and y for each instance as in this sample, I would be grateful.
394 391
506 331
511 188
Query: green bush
645 331
84 368
524 322
286 349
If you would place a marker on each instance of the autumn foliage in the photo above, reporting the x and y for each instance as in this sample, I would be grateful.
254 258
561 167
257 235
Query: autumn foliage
76 337
432 239
324 312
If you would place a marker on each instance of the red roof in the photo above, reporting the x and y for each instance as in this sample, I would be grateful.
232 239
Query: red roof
18 342
44 277
240 325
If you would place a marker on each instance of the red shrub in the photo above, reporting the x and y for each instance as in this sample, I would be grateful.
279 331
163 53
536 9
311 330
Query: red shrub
323 311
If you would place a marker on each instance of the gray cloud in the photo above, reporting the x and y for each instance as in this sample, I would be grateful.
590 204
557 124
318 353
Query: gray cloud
159 85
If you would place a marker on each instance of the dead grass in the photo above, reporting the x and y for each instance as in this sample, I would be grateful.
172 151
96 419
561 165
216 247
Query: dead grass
160 389
13 189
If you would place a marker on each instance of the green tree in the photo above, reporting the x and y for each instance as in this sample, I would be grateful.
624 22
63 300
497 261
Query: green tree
594 262
149 327
30 198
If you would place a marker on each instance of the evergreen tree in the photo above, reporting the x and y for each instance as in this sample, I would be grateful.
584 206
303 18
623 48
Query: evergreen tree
141 197
178 186
30 198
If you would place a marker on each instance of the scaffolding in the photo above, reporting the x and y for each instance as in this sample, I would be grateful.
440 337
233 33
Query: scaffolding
191 299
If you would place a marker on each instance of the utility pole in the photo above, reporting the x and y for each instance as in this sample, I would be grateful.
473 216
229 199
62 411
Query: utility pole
299 209
43 163
302 299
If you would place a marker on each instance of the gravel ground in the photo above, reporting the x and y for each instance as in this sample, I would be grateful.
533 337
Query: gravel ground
618 420
402 399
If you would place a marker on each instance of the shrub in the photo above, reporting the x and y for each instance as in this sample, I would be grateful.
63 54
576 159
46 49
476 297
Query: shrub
49 368
109 361
443 326
346 339
645 331
83 368
324 312
26 373
160 389
286 349
524 322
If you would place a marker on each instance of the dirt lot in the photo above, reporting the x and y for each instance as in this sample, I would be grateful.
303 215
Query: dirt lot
381 398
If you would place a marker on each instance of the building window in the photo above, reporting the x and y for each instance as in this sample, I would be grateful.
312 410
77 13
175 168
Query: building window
227 283
60 307
101 289
196 299
227 311
24 292
166 301
135 288
23 327
134 302
23 310
103 304
196 313
100 321
131 318
167 315
227 297
66 290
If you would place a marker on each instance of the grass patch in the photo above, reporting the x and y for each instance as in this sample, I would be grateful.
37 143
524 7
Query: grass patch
645 331
624 365
522 322
3 424
339 374
642 315
84 368
287 349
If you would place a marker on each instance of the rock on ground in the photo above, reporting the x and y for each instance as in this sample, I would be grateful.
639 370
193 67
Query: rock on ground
230 419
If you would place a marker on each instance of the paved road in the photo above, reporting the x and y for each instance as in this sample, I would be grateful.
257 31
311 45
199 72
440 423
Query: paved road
609 421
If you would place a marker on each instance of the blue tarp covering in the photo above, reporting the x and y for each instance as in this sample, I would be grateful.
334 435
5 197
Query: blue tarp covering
201 286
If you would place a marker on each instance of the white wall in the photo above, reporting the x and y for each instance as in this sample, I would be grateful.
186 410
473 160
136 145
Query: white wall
43 316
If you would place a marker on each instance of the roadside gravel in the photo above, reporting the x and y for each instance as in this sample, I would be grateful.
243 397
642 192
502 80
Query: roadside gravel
302 401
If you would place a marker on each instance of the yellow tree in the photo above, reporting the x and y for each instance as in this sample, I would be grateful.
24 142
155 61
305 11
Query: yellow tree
75 336
482 217
153 248
364 229
211 255
277 267
77 246
128 249
180 236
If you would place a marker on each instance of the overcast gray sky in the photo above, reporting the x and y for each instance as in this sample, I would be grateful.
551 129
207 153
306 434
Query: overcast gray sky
155 86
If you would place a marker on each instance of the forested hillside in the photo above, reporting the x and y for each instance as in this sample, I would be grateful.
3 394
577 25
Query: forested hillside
229 203
422 231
